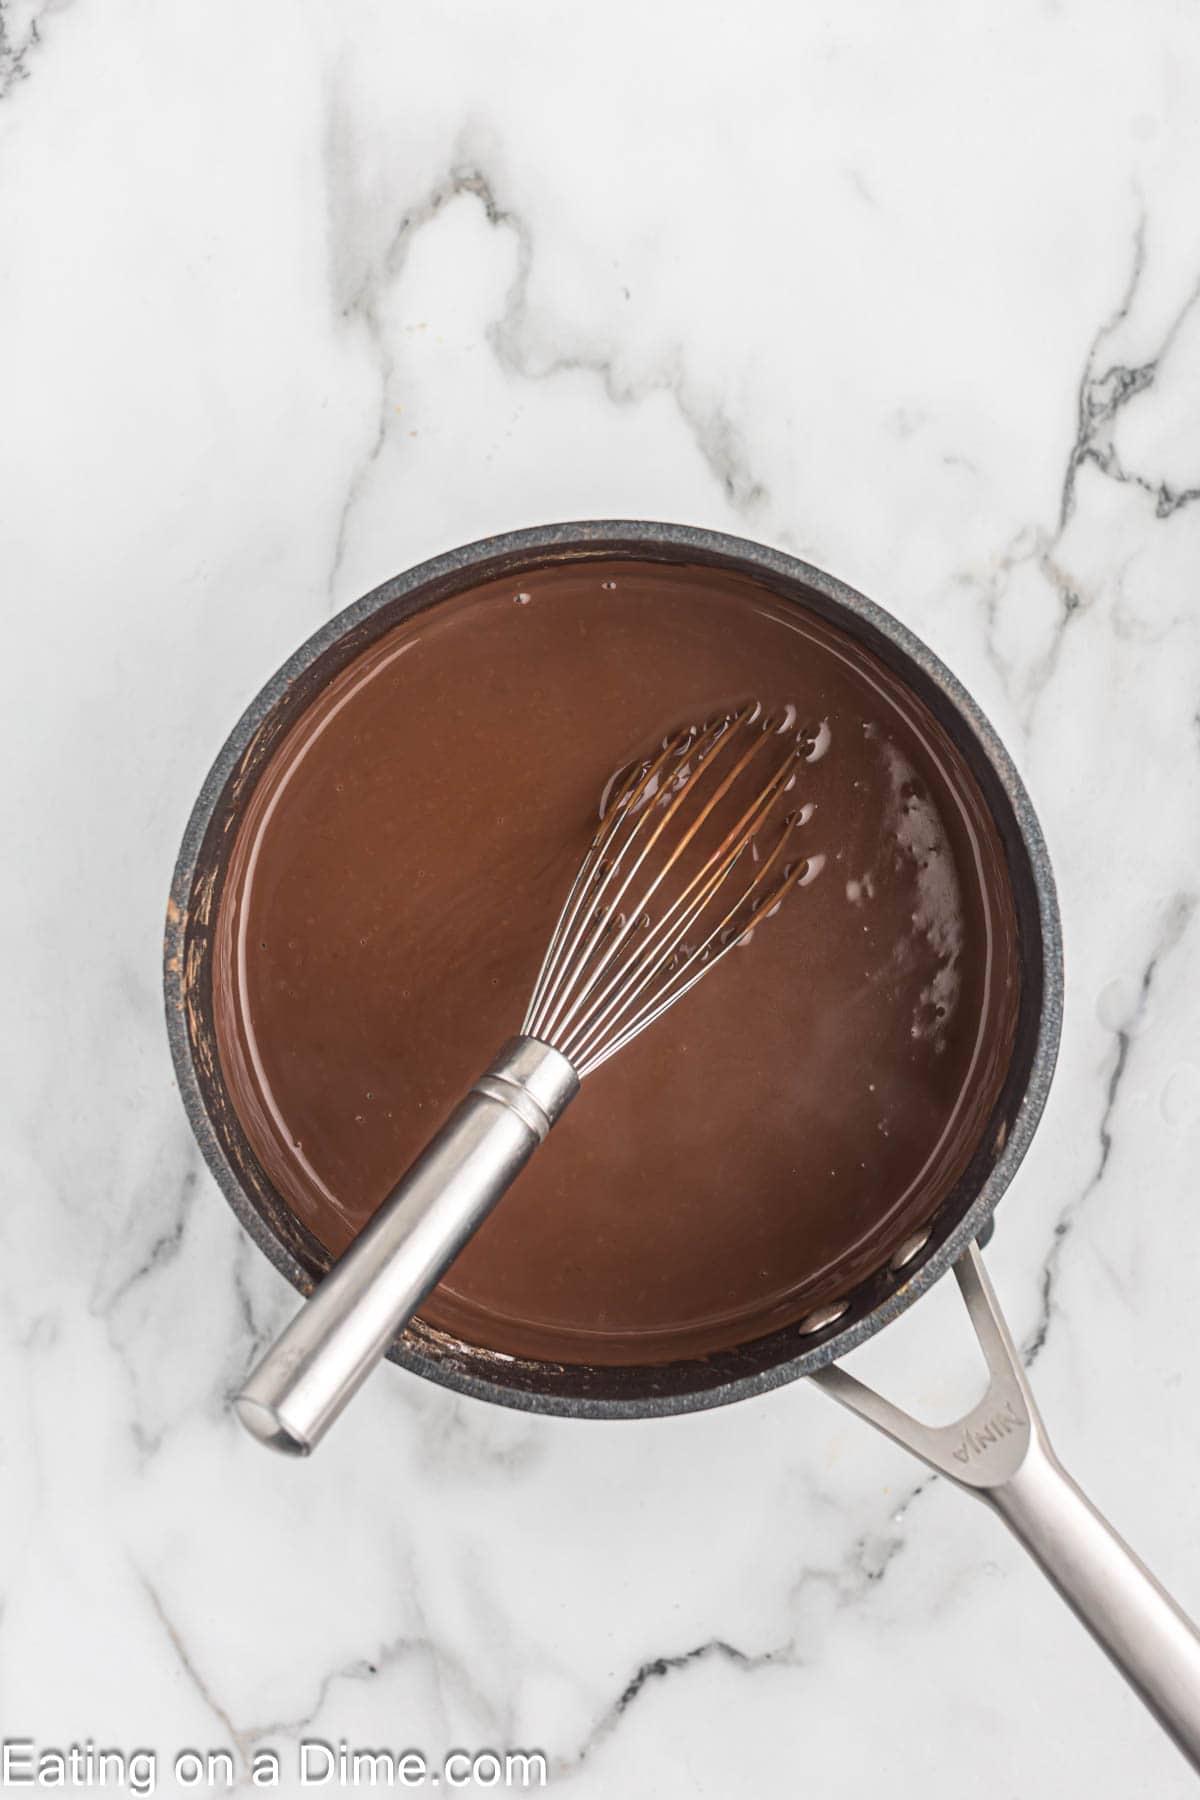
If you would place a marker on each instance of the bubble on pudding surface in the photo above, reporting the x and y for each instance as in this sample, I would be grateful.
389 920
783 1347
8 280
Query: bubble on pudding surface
861 888
819 742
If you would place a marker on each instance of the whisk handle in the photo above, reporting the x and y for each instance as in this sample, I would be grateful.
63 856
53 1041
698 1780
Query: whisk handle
322 1358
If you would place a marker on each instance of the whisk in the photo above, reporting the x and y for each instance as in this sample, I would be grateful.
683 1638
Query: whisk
695 847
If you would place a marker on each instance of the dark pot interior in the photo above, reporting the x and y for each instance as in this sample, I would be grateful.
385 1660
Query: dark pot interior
551 1387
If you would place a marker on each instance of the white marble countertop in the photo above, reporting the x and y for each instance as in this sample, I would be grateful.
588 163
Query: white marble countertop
292 296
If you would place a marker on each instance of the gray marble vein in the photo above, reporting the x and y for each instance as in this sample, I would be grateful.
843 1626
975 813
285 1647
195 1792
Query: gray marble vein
657 1669
1107 387
20 36
1178 915
535 349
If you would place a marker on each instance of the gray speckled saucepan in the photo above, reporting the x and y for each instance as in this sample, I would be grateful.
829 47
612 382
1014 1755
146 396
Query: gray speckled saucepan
997 1451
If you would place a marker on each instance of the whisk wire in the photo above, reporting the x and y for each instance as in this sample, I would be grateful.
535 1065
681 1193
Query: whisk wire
635 805
701 965
618 804
611 966
626 926
677 920
621 1015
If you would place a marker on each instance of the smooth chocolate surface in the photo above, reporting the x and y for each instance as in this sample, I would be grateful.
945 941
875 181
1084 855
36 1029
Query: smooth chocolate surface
769 1141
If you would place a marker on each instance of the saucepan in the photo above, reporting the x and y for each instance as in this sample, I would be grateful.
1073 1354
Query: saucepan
999 1450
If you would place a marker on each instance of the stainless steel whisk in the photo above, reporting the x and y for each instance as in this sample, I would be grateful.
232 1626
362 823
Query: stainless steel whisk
695 847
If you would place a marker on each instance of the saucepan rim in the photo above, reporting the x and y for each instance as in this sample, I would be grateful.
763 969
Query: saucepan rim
717 1380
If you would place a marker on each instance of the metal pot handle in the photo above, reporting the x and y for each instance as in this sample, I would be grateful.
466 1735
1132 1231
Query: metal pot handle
999 1451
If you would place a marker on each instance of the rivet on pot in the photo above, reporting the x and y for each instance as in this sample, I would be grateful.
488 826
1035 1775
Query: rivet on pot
823 1316
910 1248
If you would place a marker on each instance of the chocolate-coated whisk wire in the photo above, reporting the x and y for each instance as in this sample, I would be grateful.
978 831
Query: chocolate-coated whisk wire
621 952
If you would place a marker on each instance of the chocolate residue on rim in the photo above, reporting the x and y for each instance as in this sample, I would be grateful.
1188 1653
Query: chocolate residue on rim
757 1151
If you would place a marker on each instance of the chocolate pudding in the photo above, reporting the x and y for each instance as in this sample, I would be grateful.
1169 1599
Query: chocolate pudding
758 1150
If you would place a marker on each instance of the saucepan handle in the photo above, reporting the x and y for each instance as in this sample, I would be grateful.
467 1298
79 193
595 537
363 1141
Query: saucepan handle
1000 1452
1131 1616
